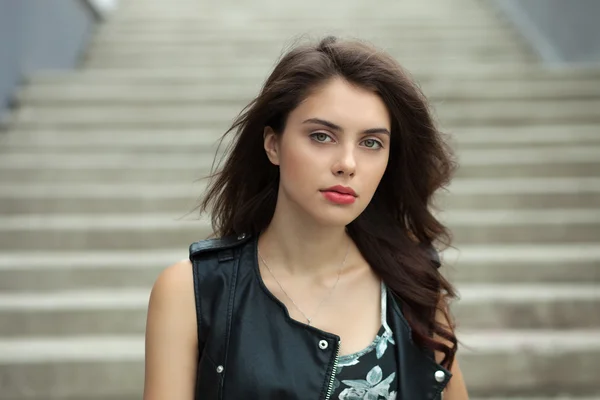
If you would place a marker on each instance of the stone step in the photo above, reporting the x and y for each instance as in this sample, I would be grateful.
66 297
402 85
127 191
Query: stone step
92 270
274 10
118 197
90 312
217 71
551 192
194 60
284 36
166 141
72 368
523 263
528 306
177 229
123 311
530 363
54 270
453 114
382 38
300 21
242 50
76 94
270 11
191 140
83 367
510 226
538 136
282 24
228 74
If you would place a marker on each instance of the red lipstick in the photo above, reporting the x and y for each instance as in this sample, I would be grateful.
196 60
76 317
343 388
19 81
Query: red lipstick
339 194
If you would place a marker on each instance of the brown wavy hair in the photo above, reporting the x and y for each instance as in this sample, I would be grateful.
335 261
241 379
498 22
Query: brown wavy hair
396 231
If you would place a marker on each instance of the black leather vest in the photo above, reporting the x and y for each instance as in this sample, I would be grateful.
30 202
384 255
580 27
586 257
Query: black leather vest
249 347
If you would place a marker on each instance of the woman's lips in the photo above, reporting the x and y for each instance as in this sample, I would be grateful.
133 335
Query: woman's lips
338 198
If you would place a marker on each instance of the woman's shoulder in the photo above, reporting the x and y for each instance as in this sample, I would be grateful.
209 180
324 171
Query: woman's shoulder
175 276
173 287
176 281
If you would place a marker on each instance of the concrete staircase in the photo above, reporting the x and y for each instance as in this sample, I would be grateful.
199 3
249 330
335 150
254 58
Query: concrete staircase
98 169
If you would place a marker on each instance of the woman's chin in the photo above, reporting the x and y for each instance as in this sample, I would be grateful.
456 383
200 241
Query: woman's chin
335 218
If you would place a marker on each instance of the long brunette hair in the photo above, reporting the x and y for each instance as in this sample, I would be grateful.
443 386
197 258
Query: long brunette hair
396 230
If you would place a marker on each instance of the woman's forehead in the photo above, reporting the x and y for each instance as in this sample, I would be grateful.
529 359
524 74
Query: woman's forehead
345 105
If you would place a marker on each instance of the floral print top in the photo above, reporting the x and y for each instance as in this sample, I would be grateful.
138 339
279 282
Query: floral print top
370 374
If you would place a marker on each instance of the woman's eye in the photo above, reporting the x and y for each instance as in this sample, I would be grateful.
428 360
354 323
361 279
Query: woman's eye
372 144
320 137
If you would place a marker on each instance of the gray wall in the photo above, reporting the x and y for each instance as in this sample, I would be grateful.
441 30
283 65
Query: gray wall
561 31
40 34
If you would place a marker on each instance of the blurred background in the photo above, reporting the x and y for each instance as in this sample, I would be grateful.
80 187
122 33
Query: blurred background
110 112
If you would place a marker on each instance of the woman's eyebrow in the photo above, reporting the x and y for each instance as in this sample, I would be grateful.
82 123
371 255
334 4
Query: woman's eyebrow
338 128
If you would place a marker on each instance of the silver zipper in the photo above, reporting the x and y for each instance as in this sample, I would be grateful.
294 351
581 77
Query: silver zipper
335 365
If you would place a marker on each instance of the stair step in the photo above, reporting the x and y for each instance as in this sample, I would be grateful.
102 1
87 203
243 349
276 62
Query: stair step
524 263
281 25
72 367
23 198
89 312
234 50
76 94
231 73
54 270
272 12
507 193
523 226
531 364
273 18
382 38
192 60
528 306
146 231
123 311
453 114
522 136
101 232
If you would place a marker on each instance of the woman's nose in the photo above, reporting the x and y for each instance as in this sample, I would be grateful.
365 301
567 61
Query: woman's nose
346 164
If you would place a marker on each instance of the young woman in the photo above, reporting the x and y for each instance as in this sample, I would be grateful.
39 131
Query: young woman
323 282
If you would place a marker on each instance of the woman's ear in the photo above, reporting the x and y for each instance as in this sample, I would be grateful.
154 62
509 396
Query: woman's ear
271 144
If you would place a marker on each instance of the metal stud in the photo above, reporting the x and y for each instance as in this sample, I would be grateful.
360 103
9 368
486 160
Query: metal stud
242 236
323 344
220 369
440 376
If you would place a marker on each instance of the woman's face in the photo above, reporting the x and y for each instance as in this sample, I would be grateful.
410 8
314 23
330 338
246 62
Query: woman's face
339 136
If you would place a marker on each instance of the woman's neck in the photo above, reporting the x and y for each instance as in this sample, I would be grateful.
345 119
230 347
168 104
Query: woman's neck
302 247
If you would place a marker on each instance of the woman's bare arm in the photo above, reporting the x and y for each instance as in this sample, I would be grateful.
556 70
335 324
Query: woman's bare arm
171 340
